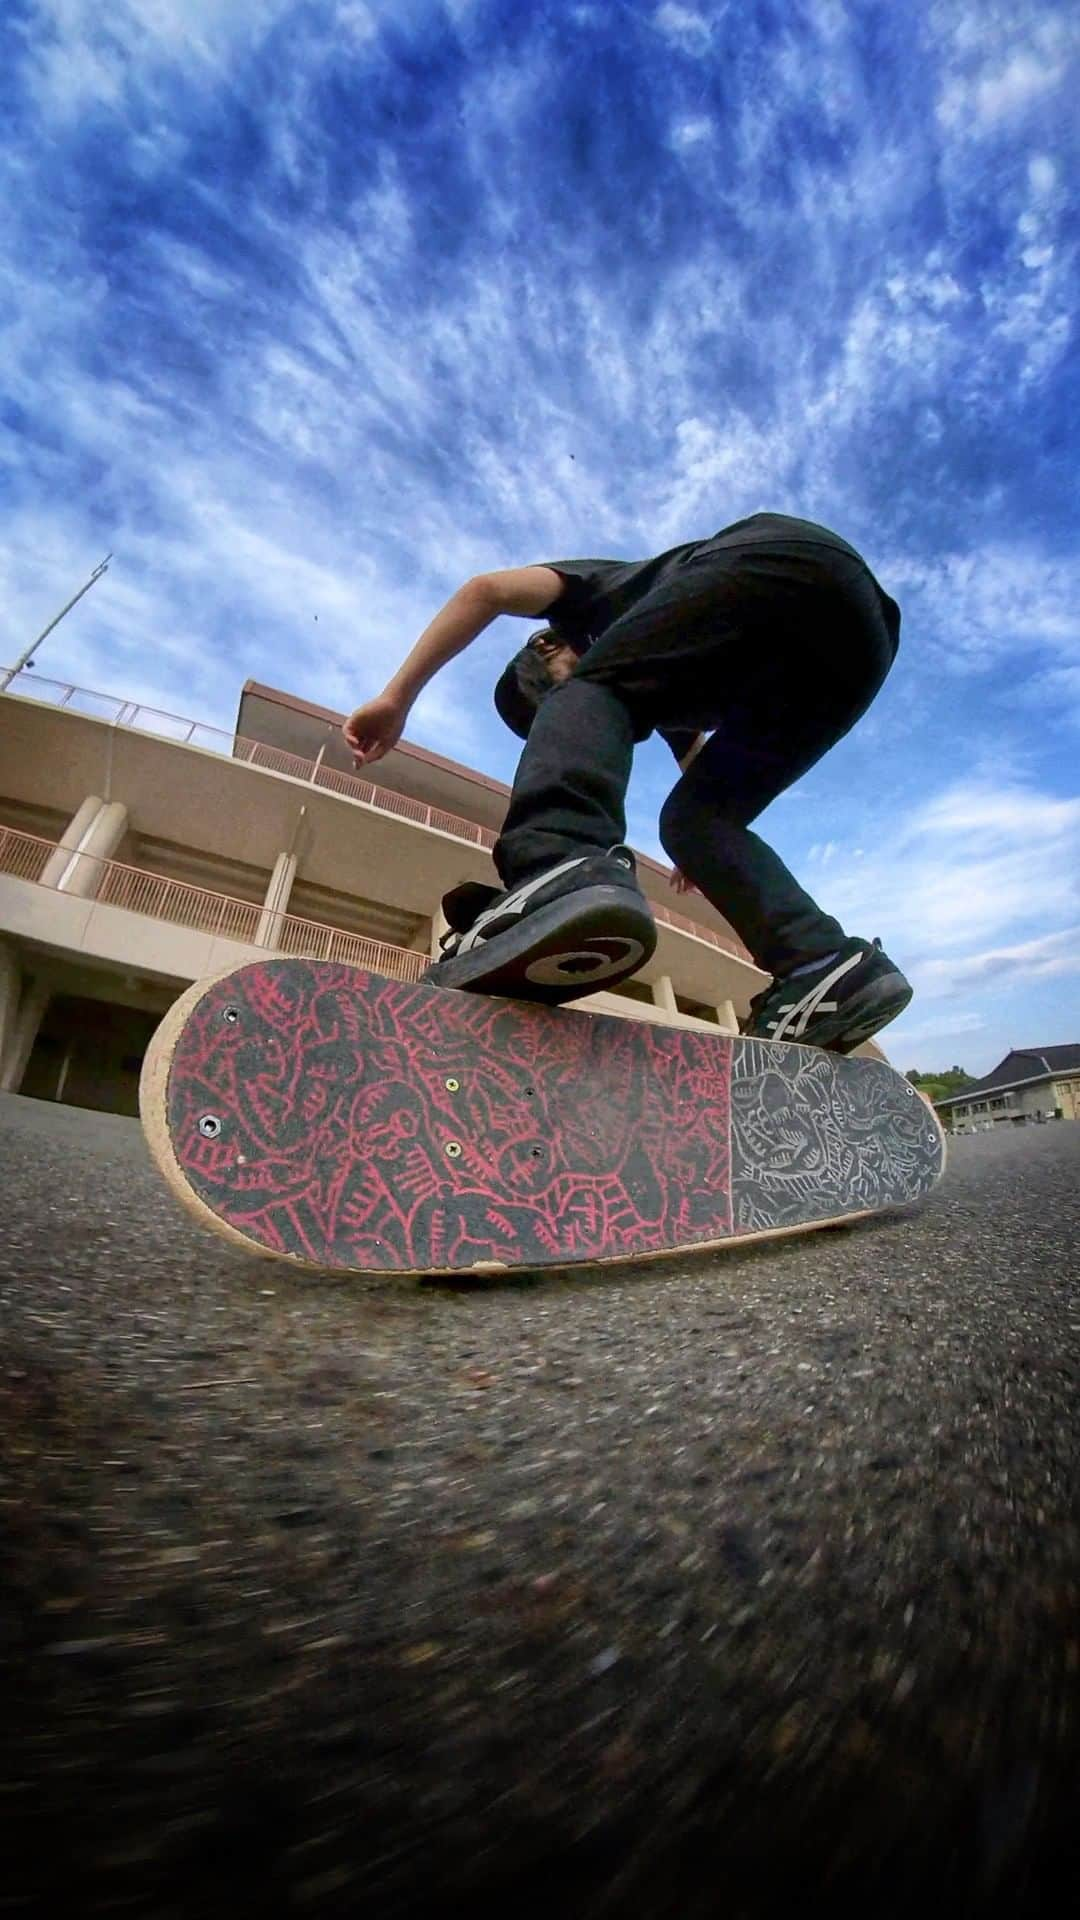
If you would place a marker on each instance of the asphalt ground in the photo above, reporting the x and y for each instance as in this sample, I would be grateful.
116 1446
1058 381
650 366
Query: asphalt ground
731 1586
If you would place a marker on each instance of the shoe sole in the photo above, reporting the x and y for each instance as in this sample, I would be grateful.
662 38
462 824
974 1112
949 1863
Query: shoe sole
590 939
878 1003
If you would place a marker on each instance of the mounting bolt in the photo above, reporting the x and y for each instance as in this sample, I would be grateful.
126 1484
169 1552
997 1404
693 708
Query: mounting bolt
452 1085
209 1126
230 1015
453 1149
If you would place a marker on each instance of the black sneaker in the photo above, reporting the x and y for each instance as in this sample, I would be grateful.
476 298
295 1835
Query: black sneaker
838 1005
579 925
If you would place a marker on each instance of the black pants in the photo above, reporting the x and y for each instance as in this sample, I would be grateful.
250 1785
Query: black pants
777 646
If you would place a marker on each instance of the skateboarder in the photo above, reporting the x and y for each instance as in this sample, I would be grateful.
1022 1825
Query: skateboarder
773 637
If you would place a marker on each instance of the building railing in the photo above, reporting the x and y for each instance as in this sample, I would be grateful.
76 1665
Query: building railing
23 854
157 897
177 901
668 918
256 753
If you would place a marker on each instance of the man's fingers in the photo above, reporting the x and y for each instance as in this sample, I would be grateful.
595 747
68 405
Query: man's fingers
371 731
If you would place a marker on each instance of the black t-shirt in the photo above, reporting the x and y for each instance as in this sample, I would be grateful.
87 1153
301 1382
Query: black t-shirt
597 592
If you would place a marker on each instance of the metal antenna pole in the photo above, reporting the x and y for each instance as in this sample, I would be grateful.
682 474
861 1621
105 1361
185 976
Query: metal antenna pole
9 673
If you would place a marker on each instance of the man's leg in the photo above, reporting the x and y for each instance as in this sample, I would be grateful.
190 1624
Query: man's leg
705 832
570 788
828 989
571 916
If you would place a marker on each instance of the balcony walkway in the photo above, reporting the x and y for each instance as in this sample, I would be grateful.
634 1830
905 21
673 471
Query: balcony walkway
25 856
193 733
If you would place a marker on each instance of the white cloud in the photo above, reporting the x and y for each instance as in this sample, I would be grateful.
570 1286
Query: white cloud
1001 603
691 132
79 60
1050 955
970 991
990 76
908 1033
356 23
971 865
1001 95
690 29
729 459
1042 175
913 289
910 338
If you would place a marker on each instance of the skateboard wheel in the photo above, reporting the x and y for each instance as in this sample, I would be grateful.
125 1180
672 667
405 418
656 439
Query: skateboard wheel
209 1126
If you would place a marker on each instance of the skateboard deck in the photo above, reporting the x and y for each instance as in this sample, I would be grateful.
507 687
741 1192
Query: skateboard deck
339 1120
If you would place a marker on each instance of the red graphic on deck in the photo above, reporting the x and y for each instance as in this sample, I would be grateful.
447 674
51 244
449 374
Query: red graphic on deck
359 1122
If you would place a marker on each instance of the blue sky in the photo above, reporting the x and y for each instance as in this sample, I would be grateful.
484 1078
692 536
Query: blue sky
313 308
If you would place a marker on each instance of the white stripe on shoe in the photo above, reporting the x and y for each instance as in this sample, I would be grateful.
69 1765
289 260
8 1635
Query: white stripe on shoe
795 1017
513 903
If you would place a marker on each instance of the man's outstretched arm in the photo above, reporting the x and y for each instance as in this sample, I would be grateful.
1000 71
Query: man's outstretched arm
378 725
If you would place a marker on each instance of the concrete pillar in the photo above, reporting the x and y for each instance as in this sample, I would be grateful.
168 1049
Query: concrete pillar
439 925
663 994
79 825
276 901
10 988
76 866
726 1015
35 999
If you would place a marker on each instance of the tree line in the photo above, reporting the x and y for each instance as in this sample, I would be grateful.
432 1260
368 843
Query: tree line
939 1085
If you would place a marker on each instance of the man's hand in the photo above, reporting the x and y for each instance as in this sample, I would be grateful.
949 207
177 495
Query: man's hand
374 728
378 725
680 882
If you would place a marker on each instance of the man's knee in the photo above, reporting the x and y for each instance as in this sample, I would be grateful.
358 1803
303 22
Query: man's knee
679 824
695 816
605 680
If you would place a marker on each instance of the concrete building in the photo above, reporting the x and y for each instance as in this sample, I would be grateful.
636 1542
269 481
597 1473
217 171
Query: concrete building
140 851
1038 1083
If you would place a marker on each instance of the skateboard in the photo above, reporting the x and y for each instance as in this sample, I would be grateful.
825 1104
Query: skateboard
347 1122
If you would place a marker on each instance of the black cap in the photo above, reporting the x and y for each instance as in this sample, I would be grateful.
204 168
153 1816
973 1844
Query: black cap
519 690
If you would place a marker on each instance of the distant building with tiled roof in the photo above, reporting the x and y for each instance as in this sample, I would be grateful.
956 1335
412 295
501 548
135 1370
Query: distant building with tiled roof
1031 1083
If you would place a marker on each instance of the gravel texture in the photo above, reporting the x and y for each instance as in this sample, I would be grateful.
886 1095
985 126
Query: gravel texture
724 1586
